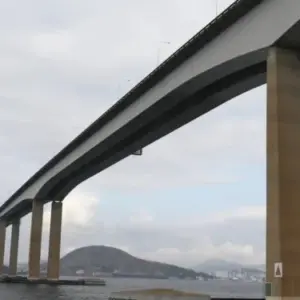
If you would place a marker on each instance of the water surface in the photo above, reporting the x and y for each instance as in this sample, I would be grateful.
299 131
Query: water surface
215 288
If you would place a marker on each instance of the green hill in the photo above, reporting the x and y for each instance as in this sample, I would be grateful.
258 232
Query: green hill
108 259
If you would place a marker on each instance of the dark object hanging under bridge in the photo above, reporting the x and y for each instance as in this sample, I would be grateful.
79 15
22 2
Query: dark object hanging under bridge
138 152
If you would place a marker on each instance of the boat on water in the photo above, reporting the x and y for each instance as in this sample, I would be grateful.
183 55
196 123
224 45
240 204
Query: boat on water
94 281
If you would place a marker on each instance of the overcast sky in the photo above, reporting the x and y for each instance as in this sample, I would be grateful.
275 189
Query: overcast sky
198 193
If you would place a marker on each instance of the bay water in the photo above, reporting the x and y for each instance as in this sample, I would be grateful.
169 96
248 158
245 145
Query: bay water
215 288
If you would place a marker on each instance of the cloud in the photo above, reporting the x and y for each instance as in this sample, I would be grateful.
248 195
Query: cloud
78 209
76 78
63 63
235 237
205 250
187 243
141 217
250 213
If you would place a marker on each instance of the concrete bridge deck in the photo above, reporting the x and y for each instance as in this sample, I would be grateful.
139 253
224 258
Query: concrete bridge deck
249 44
225 59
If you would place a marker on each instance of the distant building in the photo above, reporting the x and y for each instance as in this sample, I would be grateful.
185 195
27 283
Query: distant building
221 274
80 272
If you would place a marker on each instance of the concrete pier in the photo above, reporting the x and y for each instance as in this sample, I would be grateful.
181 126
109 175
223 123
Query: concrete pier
283 172
2 243
35 239
14 247
76 281
54 241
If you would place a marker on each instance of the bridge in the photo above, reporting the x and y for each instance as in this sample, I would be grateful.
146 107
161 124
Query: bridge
251 43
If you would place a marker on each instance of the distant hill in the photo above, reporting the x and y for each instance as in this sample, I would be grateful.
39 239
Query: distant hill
261 267
214 265
108 259
253 270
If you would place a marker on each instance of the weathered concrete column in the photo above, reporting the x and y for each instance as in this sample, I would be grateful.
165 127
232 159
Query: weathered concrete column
54 241
2 243
35 239
283 173
14 247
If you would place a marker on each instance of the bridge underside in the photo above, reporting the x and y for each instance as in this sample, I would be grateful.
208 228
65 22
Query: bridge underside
279 66
283 165
237 76
156 122
227 60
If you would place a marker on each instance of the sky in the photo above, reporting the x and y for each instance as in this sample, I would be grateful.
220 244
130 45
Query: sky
197 194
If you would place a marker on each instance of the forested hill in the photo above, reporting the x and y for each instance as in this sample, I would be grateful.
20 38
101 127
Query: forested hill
111 260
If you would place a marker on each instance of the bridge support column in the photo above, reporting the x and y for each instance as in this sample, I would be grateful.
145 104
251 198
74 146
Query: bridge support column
54 241
283 173
14 247
2 243
35 239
